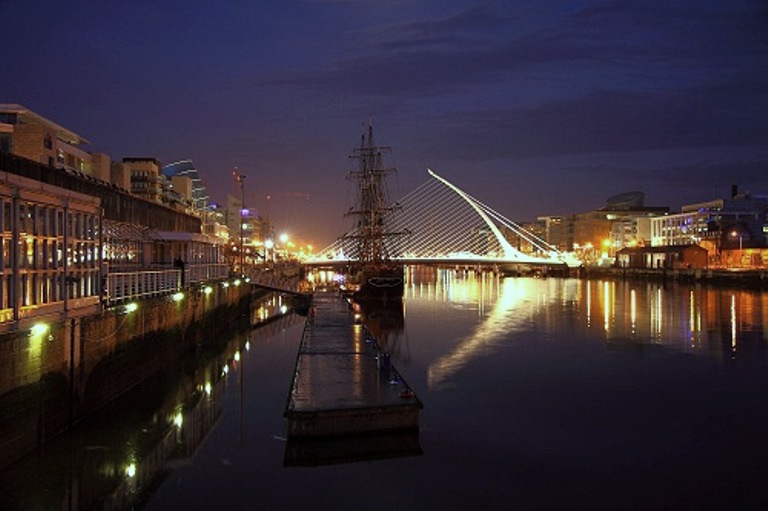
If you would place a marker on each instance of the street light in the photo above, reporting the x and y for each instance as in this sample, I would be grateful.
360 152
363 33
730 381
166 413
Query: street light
241 179
736 233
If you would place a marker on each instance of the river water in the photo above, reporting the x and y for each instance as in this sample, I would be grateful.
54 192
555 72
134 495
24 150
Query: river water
538 394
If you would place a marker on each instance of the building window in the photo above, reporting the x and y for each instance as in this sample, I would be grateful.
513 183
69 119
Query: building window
39 256
5 143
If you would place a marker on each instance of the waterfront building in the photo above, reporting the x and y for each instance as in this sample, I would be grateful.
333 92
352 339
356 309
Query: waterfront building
50 258
598 234
670 257
737 222
80 231
523 243
557 231
70 243
215 222
185 169
619 223
30 135
174 189
147 181
243 231
179 193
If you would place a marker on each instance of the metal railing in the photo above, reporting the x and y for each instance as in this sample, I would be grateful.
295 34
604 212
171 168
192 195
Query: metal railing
124 286
204 272
141 284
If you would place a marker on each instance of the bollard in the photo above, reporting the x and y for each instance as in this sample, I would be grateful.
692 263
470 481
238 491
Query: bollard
383 362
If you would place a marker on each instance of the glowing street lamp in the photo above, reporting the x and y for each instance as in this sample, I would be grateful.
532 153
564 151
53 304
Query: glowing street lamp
736 233
241 179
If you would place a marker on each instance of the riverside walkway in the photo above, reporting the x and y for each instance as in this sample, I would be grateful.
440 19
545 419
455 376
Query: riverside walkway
343 384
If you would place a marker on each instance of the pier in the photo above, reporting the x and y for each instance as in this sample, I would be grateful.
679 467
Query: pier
345 386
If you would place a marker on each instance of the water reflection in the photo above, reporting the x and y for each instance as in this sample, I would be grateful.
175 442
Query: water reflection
333 450
514 305
385 320
722 323
359 422
110 460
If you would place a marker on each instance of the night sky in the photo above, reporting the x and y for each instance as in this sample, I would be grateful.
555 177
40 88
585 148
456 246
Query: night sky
534 107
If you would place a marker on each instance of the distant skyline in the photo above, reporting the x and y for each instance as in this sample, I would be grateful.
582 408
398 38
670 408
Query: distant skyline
536 108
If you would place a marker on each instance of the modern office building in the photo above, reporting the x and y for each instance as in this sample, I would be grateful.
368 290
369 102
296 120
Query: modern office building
30 135
737 222
185 169
601 232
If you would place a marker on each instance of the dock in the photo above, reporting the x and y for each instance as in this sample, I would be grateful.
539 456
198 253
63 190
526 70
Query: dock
344 386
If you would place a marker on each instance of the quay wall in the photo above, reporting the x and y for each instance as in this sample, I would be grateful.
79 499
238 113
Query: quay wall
757 278
51 379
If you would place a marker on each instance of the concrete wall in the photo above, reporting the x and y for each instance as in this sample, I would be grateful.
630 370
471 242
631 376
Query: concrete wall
49 380
28 142
101 167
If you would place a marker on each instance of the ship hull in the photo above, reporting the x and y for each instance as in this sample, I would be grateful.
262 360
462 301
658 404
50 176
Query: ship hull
379 282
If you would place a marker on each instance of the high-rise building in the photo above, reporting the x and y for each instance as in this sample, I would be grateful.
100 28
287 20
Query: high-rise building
186 169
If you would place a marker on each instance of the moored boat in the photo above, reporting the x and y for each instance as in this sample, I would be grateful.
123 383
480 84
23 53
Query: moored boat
373 274
384 280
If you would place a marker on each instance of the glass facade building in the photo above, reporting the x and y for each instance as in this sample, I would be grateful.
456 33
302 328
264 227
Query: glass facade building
50 257
185 168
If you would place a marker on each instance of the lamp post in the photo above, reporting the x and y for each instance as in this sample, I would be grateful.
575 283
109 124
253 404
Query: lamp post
241 180
268 245
284 244
736 233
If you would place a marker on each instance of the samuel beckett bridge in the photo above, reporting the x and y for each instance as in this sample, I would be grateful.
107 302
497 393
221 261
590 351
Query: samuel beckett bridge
440 224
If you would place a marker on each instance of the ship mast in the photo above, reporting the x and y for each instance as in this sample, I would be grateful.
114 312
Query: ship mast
372 206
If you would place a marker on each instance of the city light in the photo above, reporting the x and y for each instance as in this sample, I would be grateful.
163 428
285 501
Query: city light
178 420
131 307
207 290
39 329
177 297
736 233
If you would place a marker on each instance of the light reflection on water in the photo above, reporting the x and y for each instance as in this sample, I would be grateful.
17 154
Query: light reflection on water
680 318
538 394
513 302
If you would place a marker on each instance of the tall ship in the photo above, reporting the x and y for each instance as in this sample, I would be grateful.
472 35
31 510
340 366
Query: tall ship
372 275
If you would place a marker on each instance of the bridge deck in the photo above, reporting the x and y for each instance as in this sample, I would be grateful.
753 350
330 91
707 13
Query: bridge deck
341 385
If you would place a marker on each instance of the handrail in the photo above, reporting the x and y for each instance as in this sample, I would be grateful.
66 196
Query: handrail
124 286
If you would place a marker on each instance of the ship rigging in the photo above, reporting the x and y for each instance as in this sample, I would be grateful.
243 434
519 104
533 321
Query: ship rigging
373 272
